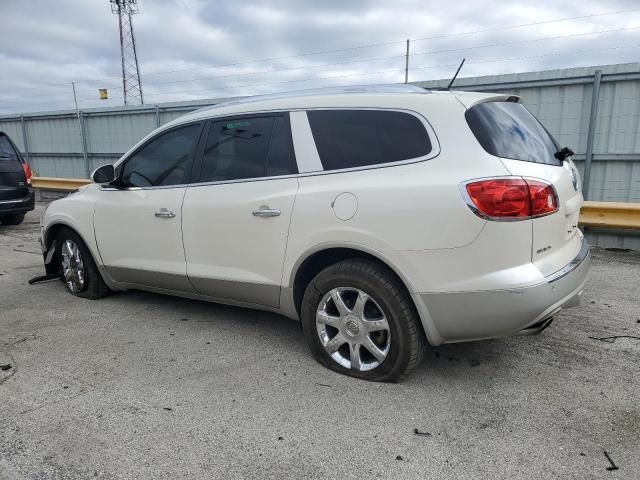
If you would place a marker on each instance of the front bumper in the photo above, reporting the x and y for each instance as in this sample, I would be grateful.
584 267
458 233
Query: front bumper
18 205
466 316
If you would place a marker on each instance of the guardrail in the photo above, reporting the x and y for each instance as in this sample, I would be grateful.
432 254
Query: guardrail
593 214
610 215
58 184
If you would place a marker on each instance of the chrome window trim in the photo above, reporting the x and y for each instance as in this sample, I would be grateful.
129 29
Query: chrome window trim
433 137
244 180
105 187
435 147
203 184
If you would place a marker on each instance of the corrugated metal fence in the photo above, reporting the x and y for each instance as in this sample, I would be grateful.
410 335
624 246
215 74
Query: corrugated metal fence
72 144
562 100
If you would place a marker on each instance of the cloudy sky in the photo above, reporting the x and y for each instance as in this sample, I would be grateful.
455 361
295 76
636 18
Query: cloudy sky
194 49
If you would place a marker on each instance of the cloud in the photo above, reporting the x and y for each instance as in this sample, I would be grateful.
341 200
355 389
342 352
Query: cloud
190 49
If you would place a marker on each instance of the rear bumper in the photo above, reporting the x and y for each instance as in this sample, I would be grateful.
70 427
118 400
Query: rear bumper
18 205
466 316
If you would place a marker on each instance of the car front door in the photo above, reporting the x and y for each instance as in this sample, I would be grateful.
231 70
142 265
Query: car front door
137 220
236 220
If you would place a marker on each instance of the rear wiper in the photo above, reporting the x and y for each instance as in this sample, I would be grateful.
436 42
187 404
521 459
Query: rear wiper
563 153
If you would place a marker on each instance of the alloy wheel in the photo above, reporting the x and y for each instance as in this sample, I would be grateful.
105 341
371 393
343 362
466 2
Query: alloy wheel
73 270
353 328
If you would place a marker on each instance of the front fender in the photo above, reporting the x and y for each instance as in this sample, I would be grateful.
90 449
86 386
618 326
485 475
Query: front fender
75 212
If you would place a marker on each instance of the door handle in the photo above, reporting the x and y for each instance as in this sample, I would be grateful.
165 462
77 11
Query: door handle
164 213
265 211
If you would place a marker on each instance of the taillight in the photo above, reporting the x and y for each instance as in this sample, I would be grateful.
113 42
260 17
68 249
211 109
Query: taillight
543 198
511 198
27 173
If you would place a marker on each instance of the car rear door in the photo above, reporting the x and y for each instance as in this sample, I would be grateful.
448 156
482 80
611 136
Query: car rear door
13 183
508 130
235 222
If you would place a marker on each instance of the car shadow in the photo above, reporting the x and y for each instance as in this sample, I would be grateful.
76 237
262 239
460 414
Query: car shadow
284 334
199 316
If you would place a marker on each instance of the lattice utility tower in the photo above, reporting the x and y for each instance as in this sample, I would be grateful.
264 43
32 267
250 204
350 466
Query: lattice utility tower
131 84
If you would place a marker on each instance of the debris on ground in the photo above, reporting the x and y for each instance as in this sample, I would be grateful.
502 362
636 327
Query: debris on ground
613 465
43 278
6 367
613 338
419 433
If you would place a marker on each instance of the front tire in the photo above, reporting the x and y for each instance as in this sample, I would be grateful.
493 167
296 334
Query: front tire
14 219
78 271
359 320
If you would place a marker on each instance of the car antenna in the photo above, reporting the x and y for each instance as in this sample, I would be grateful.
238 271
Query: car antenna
456 75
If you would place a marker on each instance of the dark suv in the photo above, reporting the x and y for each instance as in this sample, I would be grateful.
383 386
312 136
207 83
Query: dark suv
16 193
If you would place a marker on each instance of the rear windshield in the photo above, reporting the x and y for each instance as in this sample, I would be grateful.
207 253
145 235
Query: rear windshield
509 130
6 150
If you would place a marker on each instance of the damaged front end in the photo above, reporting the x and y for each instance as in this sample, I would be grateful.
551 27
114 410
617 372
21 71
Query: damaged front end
51 268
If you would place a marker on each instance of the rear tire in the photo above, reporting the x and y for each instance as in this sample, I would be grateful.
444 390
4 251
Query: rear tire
78 270
359 320
14 219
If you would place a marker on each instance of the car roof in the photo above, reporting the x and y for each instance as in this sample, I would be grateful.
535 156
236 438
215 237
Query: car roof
291 99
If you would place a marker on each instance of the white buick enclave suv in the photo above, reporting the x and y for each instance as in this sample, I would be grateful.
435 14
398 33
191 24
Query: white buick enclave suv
381 217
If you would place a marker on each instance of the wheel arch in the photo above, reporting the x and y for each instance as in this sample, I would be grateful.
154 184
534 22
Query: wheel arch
49 236
320 257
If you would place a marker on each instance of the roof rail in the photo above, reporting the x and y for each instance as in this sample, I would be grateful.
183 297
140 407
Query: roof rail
382 88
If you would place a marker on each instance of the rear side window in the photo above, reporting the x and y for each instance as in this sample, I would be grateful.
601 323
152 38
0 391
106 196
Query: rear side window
248 147
357 138
6 150
509 130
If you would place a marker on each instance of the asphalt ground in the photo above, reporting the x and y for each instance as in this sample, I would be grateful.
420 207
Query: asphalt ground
140 385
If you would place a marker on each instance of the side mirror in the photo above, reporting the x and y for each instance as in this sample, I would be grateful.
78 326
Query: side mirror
104 174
